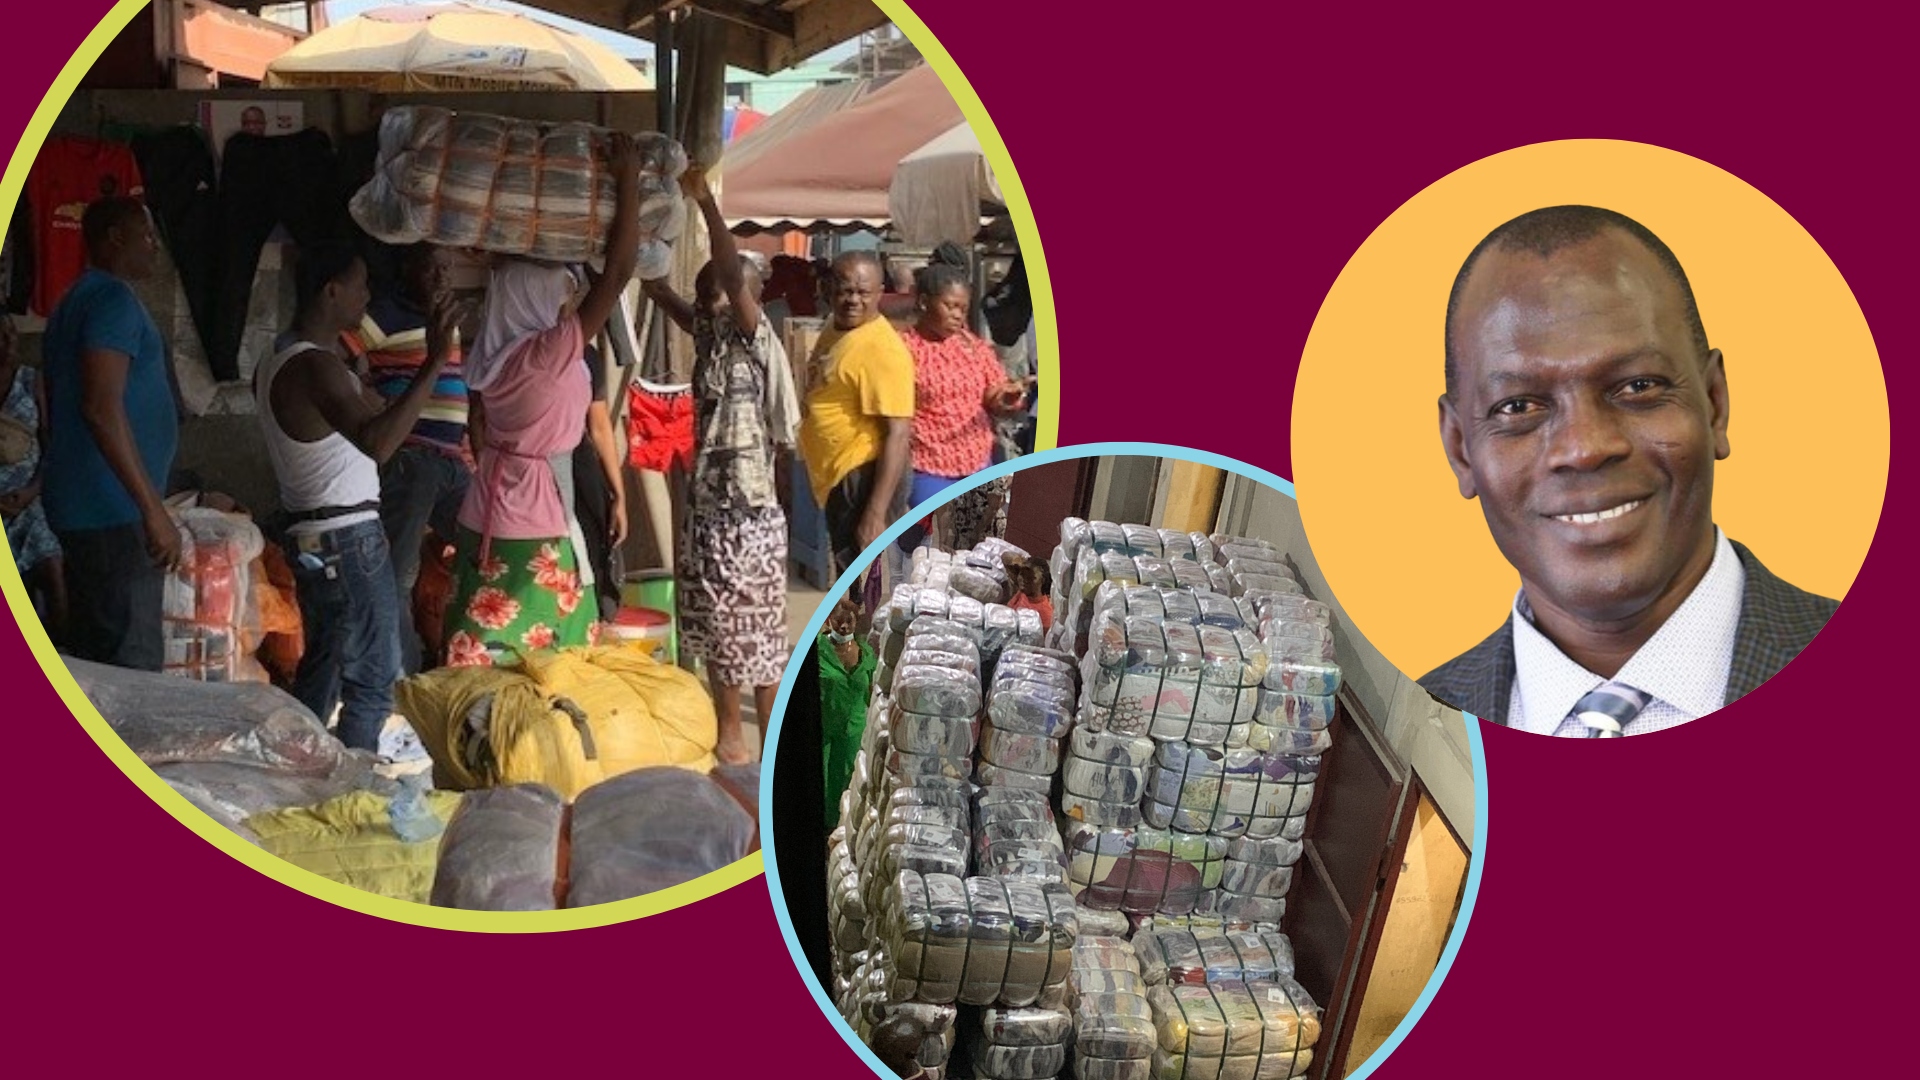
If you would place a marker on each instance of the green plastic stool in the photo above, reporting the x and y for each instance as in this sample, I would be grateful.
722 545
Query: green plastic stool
656 589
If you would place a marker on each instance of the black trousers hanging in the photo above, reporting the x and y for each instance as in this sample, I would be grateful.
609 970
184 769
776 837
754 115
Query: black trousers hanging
177 168
290 180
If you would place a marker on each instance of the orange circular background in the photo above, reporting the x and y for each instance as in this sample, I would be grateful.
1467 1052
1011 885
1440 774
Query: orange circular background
1411 560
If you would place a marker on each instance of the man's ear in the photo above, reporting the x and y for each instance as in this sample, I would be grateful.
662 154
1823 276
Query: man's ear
1453 439
1719 406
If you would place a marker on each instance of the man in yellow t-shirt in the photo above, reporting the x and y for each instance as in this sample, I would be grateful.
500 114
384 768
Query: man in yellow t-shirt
859 424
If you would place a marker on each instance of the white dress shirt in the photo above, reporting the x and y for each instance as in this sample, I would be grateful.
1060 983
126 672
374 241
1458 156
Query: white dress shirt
1683 665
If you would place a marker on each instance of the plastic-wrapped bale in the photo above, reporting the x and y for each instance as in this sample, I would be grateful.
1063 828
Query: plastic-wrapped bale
170 721
1262 1030
1173 681
1104 777
846 908
979 941
931 723
649 830
1113 1035
501 851
941 1023
1210 956
210 625
1029 708
987 584
923 829
1296 700
1142 870
1098 923
514 187
1229 793
1194 606
1021 1044
1014 835
1253 887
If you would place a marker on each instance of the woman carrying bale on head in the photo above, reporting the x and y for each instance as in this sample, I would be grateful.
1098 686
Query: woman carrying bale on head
517 583
733 565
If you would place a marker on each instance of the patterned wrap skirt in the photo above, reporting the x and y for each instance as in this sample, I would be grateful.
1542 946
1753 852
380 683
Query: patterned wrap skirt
733 594
527 597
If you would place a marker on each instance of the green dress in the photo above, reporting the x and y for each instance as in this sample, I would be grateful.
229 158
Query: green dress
843 716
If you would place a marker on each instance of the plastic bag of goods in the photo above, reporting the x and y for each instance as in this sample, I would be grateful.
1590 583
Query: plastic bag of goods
210 625
979 941
501 851
941 1023
1113 1035
1029 708
1195 607
1296 702
166 720
1014 835
1230 793
926 830
1292 609
513 187
1173 681
652 829
1209 956
846 909
1104 777
1021 1044
1253 887
1234 1030
1142 870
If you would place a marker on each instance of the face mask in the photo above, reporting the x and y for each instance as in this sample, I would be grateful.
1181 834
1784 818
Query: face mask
838 638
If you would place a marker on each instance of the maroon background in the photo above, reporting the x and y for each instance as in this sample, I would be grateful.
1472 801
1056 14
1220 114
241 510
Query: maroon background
1724 897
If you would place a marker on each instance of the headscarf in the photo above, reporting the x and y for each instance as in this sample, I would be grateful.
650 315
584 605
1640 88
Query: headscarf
524 299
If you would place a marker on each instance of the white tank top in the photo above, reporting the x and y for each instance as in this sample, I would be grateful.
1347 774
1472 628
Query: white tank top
329 472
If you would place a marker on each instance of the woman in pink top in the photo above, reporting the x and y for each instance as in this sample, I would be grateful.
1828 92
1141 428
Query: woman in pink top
517 583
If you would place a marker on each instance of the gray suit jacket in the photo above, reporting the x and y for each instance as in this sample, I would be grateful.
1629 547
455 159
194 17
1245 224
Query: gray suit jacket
1776 622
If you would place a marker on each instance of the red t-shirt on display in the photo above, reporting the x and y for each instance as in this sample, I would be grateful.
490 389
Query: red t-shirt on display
71 173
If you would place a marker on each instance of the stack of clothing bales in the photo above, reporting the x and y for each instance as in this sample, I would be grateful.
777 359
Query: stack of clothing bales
514 187
1019 809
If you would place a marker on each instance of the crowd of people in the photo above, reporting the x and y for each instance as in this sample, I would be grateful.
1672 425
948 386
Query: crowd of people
387 438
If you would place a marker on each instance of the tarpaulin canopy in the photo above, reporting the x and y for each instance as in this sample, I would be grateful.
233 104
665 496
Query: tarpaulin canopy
451 47
942 190
829 166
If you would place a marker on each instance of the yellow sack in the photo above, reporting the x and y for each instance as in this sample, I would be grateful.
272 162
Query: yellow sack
566 718
350 840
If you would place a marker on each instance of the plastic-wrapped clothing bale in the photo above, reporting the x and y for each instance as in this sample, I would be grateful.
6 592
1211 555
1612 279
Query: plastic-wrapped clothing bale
1034 755
1142 870
200 799
167 720
350 839
1293 609
514 187
924 650
1114 1036
240 791
924 829
1229 547
1197 606
210 625
1253 887
651 829
1255 586
1173 681
1098 923
1014 835
846 908
940 1023
501 851
1021 1044
1208 956
1296 702
566 718
1234 1030
980 941
1104 777
1300 640
1236 565
1226 792
999 628
979 584
1027 628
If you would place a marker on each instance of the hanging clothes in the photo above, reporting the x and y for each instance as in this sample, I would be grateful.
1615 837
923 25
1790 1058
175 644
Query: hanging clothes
660 426
71 173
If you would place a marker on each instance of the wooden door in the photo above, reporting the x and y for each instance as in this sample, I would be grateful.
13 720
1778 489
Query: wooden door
1042 497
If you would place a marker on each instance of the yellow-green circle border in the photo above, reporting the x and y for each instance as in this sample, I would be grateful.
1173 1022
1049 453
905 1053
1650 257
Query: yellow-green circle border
286 873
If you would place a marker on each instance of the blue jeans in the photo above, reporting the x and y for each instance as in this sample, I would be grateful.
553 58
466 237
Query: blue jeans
924 486
420 488
349 605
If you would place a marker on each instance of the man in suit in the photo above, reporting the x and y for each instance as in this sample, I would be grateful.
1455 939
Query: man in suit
1585 410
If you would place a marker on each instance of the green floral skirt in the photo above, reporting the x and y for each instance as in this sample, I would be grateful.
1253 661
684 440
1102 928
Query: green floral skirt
527 597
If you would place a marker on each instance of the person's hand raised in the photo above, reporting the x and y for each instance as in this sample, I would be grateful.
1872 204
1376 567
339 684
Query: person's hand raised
693 183
623 155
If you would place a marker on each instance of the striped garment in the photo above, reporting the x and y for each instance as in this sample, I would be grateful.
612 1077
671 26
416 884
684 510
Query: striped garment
393 338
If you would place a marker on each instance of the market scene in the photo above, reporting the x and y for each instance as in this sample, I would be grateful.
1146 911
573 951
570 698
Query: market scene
430 427
1114 791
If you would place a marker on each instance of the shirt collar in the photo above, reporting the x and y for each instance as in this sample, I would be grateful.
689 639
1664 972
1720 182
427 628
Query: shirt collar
1685 663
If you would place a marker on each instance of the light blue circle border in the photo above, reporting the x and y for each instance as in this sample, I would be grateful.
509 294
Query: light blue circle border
804 650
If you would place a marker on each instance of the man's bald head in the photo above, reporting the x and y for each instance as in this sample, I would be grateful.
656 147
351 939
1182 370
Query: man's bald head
858 281
1545 232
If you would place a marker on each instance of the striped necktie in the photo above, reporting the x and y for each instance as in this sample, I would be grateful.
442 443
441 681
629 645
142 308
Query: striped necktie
1607 710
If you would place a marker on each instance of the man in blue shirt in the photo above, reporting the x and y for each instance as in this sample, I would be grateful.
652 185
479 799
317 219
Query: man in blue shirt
114 432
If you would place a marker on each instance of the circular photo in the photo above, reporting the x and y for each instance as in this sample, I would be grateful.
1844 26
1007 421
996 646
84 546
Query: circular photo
1555 422
1098 769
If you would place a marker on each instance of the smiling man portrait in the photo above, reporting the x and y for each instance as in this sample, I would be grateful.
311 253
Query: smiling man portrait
1585 410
